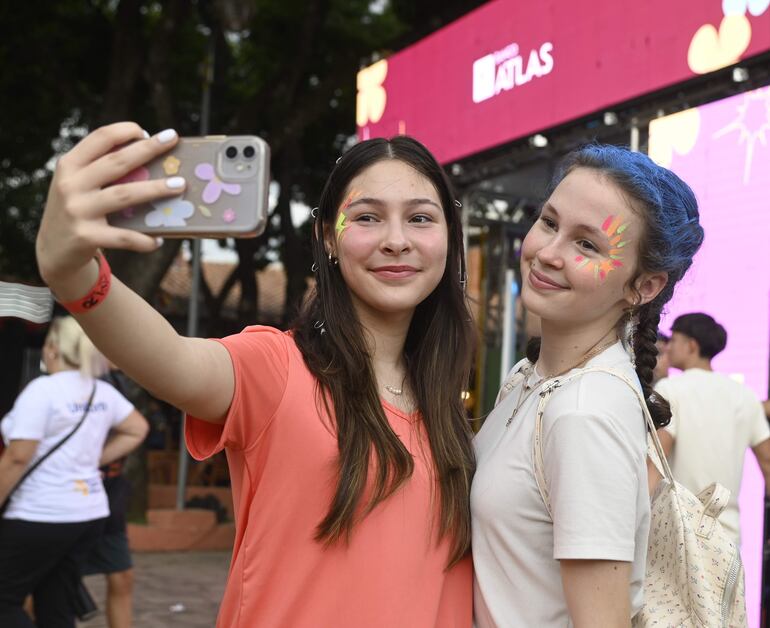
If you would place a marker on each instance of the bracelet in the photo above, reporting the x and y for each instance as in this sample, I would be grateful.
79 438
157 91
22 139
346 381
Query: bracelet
98 292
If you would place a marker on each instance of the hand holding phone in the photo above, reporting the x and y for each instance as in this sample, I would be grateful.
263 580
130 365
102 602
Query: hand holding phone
226 191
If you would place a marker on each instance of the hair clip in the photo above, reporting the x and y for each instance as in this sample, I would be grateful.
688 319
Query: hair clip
314 212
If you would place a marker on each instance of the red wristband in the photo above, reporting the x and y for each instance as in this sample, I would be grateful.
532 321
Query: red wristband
98 292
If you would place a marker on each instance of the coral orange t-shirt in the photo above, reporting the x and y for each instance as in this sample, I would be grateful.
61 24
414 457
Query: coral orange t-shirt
282 452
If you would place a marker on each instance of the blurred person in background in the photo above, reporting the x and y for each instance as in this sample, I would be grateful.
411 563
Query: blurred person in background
663 365
57 513
714 419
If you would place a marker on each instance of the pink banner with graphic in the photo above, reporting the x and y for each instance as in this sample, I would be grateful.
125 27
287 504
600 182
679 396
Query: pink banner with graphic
722 151
512 68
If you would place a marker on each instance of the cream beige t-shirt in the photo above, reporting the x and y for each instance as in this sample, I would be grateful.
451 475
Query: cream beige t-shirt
714 420
594 438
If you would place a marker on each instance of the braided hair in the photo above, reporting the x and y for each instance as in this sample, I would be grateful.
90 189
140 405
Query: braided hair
670 238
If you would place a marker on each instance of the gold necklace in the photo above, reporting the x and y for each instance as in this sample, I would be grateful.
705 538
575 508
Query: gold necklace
529 389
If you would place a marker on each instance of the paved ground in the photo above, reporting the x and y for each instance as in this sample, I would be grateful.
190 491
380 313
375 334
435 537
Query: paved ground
171 589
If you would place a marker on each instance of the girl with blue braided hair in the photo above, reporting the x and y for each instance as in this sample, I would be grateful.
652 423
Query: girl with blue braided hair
613 238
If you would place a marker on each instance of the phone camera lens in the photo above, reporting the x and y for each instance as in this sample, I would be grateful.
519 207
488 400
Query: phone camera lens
249 152
231 152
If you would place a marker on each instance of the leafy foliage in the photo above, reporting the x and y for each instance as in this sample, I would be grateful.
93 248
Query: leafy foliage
283 69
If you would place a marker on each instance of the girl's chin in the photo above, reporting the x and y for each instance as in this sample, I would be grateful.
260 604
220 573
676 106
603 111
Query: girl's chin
534 301
533 304
376 307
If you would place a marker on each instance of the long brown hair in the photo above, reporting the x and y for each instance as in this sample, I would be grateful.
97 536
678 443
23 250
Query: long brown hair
437 352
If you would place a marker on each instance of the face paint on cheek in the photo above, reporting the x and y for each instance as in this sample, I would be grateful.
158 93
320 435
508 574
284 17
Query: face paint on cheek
342 224
614 227
342 218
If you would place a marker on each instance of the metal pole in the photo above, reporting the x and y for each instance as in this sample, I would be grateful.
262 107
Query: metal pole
634 141
509 325
195 280
464 211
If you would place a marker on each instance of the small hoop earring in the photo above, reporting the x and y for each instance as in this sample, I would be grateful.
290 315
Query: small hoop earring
332 260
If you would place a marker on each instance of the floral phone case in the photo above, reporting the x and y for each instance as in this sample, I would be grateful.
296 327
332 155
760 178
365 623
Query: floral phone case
226 193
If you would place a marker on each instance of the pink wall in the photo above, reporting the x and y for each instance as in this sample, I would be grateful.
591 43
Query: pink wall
719 150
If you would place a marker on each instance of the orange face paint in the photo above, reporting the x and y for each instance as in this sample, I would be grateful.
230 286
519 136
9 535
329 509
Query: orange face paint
613 227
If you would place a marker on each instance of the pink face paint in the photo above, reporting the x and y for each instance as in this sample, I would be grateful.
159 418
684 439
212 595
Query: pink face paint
582 261
613 227
353 194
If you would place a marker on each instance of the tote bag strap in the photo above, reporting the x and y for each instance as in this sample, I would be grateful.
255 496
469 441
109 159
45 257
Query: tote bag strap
657 454
53 449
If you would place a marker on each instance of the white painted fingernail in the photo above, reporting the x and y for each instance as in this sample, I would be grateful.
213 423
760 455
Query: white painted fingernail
175 182
146 134
166 136
159 242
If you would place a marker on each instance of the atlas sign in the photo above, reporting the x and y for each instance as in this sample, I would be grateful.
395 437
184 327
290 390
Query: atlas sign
505 69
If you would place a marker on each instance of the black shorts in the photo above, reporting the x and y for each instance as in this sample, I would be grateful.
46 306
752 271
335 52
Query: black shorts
110 555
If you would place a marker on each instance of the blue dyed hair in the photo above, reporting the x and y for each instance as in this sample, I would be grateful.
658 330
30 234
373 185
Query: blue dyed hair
671 236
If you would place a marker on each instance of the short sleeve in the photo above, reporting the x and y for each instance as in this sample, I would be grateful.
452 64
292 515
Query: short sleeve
663 388
260 361
120 407
758 424
28 418
592 471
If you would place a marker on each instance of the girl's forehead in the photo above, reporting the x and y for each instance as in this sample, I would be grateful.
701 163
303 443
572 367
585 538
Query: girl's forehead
586 195
390 177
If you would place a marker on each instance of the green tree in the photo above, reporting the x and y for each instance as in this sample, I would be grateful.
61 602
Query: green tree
284 69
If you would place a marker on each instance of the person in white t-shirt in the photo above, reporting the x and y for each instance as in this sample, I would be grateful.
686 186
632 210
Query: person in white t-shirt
56 514
612 240
714 418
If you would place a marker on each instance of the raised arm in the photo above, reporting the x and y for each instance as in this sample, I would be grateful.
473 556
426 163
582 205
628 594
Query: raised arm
193 374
